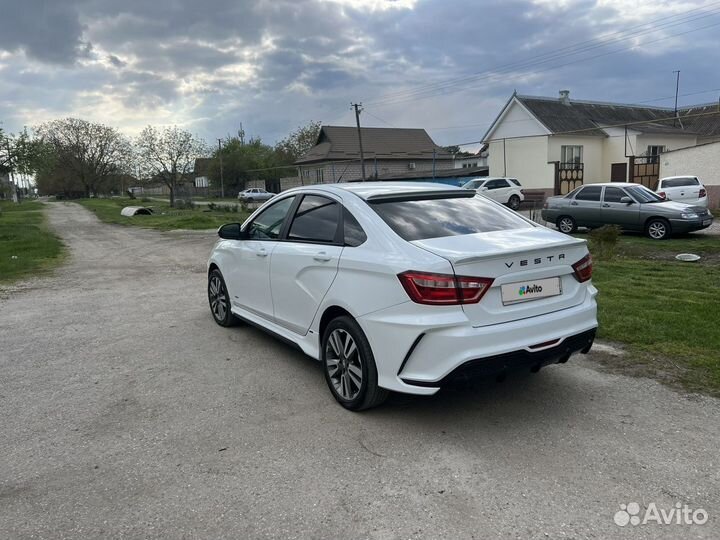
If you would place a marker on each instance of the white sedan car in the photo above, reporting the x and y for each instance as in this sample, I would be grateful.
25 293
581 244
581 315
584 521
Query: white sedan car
684 189
503 190
404 286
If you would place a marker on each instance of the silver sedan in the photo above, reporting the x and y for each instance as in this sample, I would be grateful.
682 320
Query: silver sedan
631 206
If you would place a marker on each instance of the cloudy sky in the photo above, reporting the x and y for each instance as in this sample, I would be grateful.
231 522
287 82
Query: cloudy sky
445 65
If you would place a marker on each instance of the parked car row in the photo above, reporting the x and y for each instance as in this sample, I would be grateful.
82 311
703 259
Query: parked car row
631 206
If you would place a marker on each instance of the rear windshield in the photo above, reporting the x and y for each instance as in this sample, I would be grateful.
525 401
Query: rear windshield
435 218
679 182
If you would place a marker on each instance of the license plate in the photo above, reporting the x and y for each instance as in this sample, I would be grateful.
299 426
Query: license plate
526 291
707 222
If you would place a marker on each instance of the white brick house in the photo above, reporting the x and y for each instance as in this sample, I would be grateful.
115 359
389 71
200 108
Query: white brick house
554 144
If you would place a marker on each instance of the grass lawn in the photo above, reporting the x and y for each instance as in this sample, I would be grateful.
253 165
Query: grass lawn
25 236
665 311
164 218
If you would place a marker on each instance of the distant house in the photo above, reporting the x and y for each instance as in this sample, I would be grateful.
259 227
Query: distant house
387 151
555 144
470 161
202 172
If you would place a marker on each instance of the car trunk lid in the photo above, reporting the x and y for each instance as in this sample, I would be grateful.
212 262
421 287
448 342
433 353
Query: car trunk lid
532 257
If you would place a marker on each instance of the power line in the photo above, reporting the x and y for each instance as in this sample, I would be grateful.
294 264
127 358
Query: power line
594 42
453 86
574 131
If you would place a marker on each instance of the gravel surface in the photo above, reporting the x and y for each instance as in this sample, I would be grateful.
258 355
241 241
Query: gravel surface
126 412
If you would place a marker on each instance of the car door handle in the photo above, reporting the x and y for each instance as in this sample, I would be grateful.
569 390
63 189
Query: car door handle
322 257
574 203
606 205
261 253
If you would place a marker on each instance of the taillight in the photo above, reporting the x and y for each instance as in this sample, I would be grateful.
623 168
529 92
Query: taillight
583 268
662 195
443 289
702 193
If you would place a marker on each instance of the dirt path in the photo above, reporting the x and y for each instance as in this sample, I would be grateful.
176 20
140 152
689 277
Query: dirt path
126 412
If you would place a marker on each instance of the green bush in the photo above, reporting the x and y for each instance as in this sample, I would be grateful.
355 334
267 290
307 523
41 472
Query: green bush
603 241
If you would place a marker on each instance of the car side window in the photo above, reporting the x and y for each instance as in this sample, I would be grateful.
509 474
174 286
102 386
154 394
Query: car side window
613 194
589 193
268 224
353 232
515 181
496 184
316 220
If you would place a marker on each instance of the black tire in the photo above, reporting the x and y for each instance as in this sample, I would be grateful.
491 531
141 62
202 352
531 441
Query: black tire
658 229
514 202
566 224
217 296
369 394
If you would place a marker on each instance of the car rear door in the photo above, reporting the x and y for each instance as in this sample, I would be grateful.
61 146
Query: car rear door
585 207
305 264
248 280
680 189
614 212
495 190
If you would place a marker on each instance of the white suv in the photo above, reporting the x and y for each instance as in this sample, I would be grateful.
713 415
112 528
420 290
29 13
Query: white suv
503 190
404 286
684 189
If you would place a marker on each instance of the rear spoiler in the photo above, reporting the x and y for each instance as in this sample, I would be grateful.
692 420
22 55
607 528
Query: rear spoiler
422 195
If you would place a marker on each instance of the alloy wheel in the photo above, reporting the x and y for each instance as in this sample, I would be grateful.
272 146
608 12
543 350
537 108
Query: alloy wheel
566 225
657 230
514 202
344 364
218 298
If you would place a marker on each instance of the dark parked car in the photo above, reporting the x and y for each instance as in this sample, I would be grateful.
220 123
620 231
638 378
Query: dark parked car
631 206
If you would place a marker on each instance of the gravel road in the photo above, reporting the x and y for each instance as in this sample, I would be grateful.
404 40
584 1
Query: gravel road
127 413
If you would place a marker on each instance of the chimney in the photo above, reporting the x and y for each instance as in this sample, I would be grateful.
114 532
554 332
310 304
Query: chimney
565 97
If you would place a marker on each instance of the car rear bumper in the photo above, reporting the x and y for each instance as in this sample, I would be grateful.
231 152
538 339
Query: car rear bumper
418 355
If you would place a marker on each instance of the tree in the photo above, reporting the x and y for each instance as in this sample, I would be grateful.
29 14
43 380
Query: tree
295 145
168 155
83 152
253 160
18 158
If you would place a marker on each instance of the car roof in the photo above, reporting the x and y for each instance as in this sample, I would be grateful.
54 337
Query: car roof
613 184
375 190
680 176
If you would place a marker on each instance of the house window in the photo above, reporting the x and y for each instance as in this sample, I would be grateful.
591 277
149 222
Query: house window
654 151
319 175
571 156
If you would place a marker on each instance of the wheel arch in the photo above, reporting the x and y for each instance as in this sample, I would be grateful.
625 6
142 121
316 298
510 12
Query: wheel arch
330 313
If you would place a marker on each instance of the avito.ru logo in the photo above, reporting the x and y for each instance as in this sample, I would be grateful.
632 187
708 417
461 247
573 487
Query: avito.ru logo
530 289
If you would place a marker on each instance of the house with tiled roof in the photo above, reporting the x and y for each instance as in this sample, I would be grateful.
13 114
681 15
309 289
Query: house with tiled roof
386 151
553 145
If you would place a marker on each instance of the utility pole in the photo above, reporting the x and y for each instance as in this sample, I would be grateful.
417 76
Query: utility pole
241 135
677 88
222 181
358 109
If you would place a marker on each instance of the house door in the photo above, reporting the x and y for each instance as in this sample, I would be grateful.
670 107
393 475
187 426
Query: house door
618 172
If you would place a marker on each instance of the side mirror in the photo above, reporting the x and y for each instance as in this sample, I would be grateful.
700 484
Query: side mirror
230 231
626 200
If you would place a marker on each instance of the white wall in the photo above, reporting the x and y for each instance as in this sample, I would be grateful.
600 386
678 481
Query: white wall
701 161
526 160
517 122
592 154
670 142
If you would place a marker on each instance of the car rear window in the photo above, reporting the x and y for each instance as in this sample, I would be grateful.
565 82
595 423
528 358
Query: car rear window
437 217
679 182
514 181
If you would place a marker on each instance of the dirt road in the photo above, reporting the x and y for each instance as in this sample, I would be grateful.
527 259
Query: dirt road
126 412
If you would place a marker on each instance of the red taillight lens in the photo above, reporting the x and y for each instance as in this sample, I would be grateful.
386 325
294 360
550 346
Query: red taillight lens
583 268
662 195
702 193
443 289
